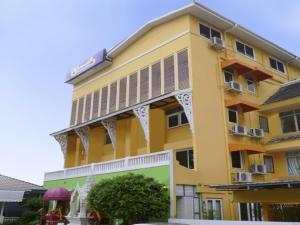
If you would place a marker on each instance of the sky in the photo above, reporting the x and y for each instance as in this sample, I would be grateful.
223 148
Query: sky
40 41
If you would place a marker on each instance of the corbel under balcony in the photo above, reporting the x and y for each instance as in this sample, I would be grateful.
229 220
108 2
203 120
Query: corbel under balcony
246 106
250 149
246 70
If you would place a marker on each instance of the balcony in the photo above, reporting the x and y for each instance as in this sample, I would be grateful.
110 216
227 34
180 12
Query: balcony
113 166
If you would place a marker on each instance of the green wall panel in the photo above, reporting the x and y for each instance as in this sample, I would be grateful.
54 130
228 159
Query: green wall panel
160 173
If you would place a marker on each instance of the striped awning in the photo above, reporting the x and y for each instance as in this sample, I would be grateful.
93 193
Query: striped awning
11 196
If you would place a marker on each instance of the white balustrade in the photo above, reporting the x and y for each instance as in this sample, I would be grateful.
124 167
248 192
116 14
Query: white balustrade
128 163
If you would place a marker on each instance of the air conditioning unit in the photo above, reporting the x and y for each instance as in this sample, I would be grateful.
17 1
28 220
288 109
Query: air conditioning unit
234 86
258 169
255 132
242 177
217 43
238 130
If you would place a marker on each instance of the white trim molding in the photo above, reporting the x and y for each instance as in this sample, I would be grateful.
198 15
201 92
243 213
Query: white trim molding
185 100
62 139
84 133
142 113
110 125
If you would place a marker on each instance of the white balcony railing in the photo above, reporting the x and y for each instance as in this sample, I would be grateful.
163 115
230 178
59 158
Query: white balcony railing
128 163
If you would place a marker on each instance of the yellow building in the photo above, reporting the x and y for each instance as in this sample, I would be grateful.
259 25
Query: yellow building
188 99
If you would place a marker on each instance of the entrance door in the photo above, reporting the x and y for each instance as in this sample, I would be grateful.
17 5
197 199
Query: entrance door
250 212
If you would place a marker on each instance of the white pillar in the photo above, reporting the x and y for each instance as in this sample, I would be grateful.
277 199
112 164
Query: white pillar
1 211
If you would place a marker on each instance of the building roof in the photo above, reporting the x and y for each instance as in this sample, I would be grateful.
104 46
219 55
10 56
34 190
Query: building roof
284 138
207 15
12 184
285 92
258 185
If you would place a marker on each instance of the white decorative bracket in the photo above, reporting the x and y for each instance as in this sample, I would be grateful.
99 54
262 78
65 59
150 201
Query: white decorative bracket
110 126
84 133
62 139
185 100
142 113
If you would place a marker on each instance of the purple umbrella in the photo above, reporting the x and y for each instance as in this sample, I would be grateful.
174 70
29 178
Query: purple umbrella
57 194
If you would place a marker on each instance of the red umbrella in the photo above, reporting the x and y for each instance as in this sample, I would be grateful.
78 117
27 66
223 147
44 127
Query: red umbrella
57 194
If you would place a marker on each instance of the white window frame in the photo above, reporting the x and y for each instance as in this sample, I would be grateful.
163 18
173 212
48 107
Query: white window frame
254 83
241 158
277 60
225 71
250 212
249 57
179 119
295 121
188 162
214 200
236 114
210 27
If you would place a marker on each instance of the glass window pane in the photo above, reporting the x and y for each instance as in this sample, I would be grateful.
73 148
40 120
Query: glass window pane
156 80
249 51
184 118
268 161
173 121
273 63
191 159
263 123
182 158
280 67
183 70
240 47
144 84
244 211
204 31
293 163
251 86
228 76
232 116
215 33
288 124
169 78
236 160
218 210
298 121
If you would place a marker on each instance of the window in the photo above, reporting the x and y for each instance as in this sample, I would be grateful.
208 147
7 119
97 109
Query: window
263 123
268 161
277 65
228 76
250 212
107 139
251 86
177 119
185 158
293 163
214 209
232 115
209 32
236 160
245 49
290 121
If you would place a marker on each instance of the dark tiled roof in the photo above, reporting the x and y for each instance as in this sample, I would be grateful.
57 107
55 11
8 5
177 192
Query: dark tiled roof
12 184
284 138
284 93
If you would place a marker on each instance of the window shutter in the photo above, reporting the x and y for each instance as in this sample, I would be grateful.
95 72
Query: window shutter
87 112
80 110
122 93
73 112
104 101
144 84
183 70
95 104
112 97
169 78
133 89
156 80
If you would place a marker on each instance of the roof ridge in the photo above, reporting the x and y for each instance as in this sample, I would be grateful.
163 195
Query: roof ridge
21 181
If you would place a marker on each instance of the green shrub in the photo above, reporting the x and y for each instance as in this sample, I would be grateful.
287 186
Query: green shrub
131 198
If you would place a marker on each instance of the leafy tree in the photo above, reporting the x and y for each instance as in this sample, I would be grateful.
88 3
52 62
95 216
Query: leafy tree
31 208
132 198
